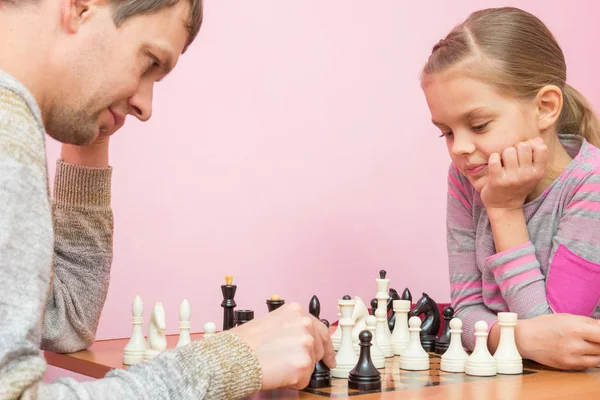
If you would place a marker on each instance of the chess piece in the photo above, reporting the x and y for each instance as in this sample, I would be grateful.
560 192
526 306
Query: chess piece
376 354
431 323
157 341
400 335
391 315
336 337
321 376
274 302
384 336
184 324
346 358
481 362
228 303
441 345
406 295
359 316
453 360
373 306
508 359
243 316
364 376
210 329
414 357
137 345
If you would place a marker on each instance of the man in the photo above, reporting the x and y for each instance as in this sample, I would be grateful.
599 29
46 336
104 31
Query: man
75 69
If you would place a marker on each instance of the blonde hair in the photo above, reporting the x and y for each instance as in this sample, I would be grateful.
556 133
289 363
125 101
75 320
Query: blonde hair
520 56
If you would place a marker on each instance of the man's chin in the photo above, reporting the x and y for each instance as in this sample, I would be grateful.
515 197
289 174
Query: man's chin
78 138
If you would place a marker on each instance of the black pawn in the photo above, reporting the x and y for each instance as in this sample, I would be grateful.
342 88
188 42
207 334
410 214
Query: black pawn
442 344
321 376
346 297
373 306
364 377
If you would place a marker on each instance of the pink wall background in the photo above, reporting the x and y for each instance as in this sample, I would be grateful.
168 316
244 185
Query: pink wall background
292 148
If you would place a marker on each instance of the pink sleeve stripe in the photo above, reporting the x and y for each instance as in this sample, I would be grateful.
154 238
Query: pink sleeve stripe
589 188
517 262
465 285
518 279
507 251
457 184
584 205
460 198
576 173
472 298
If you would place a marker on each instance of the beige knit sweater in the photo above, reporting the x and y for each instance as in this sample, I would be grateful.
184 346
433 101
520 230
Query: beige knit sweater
55 258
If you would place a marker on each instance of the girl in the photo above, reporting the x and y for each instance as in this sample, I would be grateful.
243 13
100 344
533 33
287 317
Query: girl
523 214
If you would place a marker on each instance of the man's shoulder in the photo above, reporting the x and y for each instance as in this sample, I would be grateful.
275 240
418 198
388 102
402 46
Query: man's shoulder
20 133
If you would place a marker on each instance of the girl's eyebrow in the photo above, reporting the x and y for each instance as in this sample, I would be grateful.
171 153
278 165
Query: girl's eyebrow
467 115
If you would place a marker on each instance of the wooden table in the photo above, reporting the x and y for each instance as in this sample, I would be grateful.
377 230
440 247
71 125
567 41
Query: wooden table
538 382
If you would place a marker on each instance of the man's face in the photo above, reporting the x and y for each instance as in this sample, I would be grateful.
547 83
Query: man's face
108 72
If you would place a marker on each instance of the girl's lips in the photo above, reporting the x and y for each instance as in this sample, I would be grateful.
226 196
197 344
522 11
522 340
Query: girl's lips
474 170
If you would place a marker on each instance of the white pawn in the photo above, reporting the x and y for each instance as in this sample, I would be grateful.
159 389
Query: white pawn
400 336
453 360
157 340
210 329
346 358
414 357
508 359
481 362
137 345
377 356
184 324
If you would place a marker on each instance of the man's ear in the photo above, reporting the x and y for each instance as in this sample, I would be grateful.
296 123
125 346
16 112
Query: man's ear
75 13
549 102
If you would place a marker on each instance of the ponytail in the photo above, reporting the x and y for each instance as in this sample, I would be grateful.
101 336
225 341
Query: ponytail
578 116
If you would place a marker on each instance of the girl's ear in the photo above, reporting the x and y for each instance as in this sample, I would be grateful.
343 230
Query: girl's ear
549 102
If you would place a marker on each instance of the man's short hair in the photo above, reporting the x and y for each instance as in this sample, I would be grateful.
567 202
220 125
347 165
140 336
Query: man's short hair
125 9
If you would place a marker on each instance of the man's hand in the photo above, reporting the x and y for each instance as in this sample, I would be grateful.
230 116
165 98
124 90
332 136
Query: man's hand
91 155
288 342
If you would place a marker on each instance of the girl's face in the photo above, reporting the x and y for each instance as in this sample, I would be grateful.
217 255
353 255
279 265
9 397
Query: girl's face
476 120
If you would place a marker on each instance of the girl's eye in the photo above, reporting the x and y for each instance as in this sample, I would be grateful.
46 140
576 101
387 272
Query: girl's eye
446 134
480 127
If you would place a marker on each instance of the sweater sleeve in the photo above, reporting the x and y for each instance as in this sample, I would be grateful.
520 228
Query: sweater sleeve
573 276
519 276
465 277
83 250
220 367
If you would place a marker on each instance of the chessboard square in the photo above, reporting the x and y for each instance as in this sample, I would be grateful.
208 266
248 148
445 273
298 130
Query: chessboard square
413 374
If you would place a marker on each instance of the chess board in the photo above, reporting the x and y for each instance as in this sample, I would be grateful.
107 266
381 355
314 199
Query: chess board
395 379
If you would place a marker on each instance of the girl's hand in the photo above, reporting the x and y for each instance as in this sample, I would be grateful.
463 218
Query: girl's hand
512 176
563 341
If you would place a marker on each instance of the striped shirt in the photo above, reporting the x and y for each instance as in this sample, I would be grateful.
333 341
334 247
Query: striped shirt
557 271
